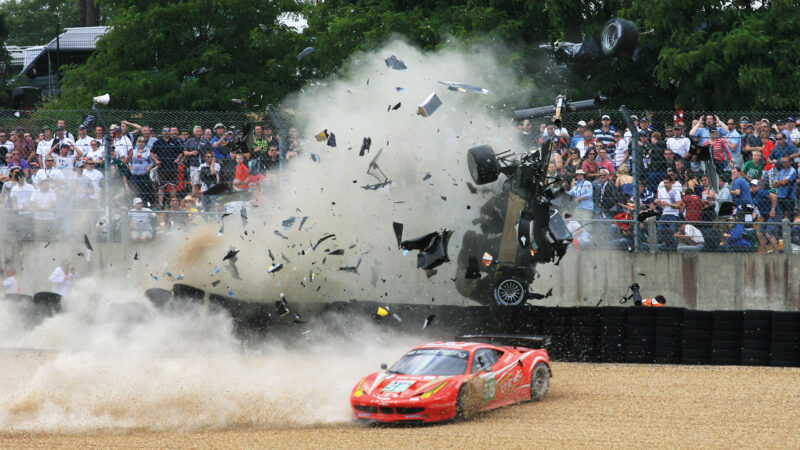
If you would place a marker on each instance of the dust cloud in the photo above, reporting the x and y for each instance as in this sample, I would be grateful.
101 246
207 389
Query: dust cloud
110 360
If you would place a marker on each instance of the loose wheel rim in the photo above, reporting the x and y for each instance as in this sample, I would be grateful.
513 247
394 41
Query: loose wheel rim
611 35
509 292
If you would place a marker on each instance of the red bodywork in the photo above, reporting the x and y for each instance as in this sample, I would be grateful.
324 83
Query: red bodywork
390 397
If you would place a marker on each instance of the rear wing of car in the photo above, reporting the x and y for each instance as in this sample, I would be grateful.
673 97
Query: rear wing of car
510 340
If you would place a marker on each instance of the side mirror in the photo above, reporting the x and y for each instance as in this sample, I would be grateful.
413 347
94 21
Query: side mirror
384 366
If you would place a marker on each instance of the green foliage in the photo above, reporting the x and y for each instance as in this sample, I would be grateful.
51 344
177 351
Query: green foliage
36 22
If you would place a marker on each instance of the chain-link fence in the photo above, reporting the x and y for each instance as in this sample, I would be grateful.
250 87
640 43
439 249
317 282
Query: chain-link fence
202 161
753 154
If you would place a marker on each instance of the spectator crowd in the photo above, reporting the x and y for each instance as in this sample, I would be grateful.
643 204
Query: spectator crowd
164 179
756 162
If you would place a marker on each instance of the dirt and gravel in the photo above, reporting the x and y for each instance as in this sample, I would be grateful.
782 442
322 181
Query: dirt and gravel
589 405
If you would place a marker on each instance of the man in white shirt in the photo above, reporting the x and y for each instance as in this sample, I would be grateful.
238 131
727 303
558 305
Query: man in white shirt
141 221
678 143
123 147
45 145
84 140
61 123
5 142
50 172
669 199
65 159
11 284
62 277
93 176
690 239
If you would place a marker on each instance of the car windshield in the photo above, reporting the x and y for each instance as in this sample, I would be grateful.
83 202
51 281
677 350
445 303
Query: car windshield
432 361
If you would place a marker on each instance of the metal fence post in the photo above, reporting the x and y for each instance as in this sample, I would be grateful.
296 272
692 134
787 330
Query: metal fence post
652 234
787 235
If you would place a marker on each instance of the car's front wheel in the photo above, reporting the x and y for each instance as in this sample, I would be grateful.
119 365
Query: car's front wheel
482 164
540 381
466 403
619 38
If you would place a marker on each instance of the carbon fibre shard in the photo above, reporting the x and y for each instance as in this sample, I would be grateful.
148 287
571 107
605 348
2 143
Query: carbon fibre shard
393 63
432 249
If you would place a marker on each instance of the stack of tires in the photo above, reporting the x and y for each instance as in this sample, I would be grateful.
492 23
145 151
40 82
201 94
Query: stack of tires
641 335
726 338
756 337
613 331
785 345
585 323
696 337
669 323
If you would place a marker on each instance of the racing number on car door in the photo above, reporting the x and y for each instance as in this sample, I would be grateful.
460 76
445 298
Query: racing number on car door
483 360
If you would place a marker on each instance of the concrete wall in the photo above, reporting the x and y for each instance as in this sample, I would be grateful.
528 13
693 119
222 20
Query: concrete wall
705 281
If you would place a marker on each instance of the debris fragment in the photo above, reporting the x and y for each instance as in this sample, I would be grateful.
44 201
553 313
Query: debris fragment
215 283
394 63
243 213
375 171
337 252
472 189
428 321
432 249
302 221
461 87
473 269
287 223
398 232
426 177
429 106
382 312
365 145
352 269
396 107
274 268
136 255
87 243
487 259
321 240
231 254
278 233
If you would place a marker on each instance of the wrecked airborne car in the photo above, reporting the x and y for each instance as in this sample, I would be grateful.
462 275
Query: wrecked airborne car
454 380
520 228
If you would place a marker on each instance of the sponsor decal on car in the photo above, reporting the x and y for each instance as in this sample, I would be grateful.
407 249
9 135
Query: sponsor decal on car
398 386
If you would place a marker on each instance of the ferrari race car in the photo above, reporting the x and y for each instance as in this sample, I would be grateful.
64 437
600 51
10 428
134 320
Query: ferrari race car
454 380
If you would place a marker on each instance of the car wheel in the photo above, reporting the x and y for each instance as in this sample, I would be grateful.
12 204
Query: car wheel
540 381
482 164
466 403
619 38
510 292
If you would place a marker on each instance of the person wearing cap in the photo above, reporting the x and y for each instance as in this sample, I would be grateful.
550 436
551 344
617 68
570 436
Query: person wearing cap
84 141
60 139
581 193
740 188
121 144
221 142
44 146
586 143
578 134
605 133
49 172
142 221
678 143
794 132
62 277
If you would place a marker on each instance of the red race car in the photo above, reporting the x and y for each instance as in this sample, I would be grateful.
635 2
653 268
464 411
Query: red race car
447 380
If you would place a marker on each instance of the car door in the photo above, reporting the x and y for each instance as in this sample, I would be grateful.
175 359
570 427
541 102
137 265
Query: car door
483 365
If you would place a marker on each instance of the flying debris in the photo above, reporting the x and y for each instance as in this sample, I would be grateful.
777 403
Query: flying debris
288 223
395 107
282 306
461 87
315 157
278 233
215 283
473 269
302 221
271 256
87 243
375 171
338 252
321 240
428 321
426 177
231 254
365 145
306 51
136 256
275 268
429 106
230 291
328 138
432 249
398 232
352 269
472 189
382 312
398 89
394 63
243 213
487 259
536 296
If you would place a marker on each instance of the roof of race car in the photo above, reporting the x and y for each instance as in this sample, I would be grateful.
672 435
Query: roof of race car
467 346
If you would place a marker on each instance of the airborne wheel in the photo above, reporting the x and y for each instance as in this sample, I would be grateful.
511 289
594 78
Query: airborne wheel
619 38
510 292
482 164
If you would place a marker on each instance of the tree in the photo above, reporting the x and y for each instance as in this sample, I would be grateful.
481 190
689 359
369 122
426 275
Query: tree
192 54
36 22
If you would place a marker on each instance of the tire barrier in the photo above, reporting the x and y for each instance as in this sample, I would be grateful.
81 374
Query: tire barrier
613 334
